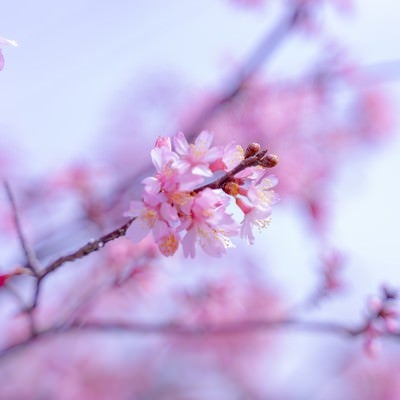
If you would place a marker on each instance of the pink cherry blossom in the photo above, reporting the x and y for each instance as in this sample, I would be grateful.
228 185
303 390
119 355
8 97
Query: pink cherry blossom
210 224
233 155
146 218
253 217
175 210
197 156
257 207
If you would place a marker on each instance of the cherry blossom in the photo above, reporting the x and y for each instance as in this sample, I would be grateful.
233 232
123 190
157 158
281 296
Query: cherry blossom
197 156
177 211
210 224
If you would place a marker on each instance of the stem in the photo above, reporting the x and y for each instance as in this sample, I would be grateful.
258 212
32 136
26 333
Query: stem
261 158
88 248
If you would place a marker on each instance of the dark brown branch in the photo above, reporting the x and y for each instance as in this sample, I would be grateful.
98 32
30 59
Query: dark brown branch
88 248
32 262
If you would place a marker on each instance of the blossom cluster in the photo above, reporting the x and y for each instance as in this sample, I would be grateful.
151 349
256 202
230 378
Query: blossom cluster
182 204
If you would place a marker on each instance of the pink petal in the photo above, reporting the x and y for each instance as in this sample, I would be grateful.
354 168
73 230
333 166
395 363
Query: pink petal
138 230
180 143
135 209
163 142
156 158
202 170
152 185
188 244
169 213
204 140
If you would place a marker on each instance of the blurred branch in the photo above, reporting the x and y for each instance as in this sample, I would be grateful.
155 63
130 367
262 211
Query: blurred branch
233 328
234 86
32 262
268 44
180 329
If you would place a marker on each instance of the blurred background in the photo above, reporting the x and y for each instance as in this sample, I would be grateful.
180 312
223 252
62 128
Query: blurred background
82 100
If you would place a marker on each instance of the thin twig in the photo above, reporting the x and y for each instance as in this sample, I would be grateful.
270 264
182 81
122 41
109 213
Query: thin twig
27 310
32 262
36 293
261 159
88 248
233 328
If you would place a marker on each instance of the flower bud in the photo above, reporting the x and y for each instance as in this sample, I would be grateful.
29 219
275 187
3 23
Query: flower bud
269 161
252 150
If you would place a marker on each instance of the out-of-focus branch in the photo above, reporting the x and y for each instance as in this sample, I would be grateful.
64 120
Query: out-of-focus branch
268 44
183 330
32 262
234 328
231 89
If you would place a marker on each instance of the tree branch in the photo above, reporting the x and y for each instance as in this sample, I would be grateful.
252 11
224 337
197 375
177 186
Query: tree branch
88 248
32 262
261 158
183 330
268 44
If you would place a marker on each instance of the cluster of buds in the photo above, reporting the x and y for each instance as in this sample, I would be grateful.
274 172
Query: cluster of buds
383 317
182 204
